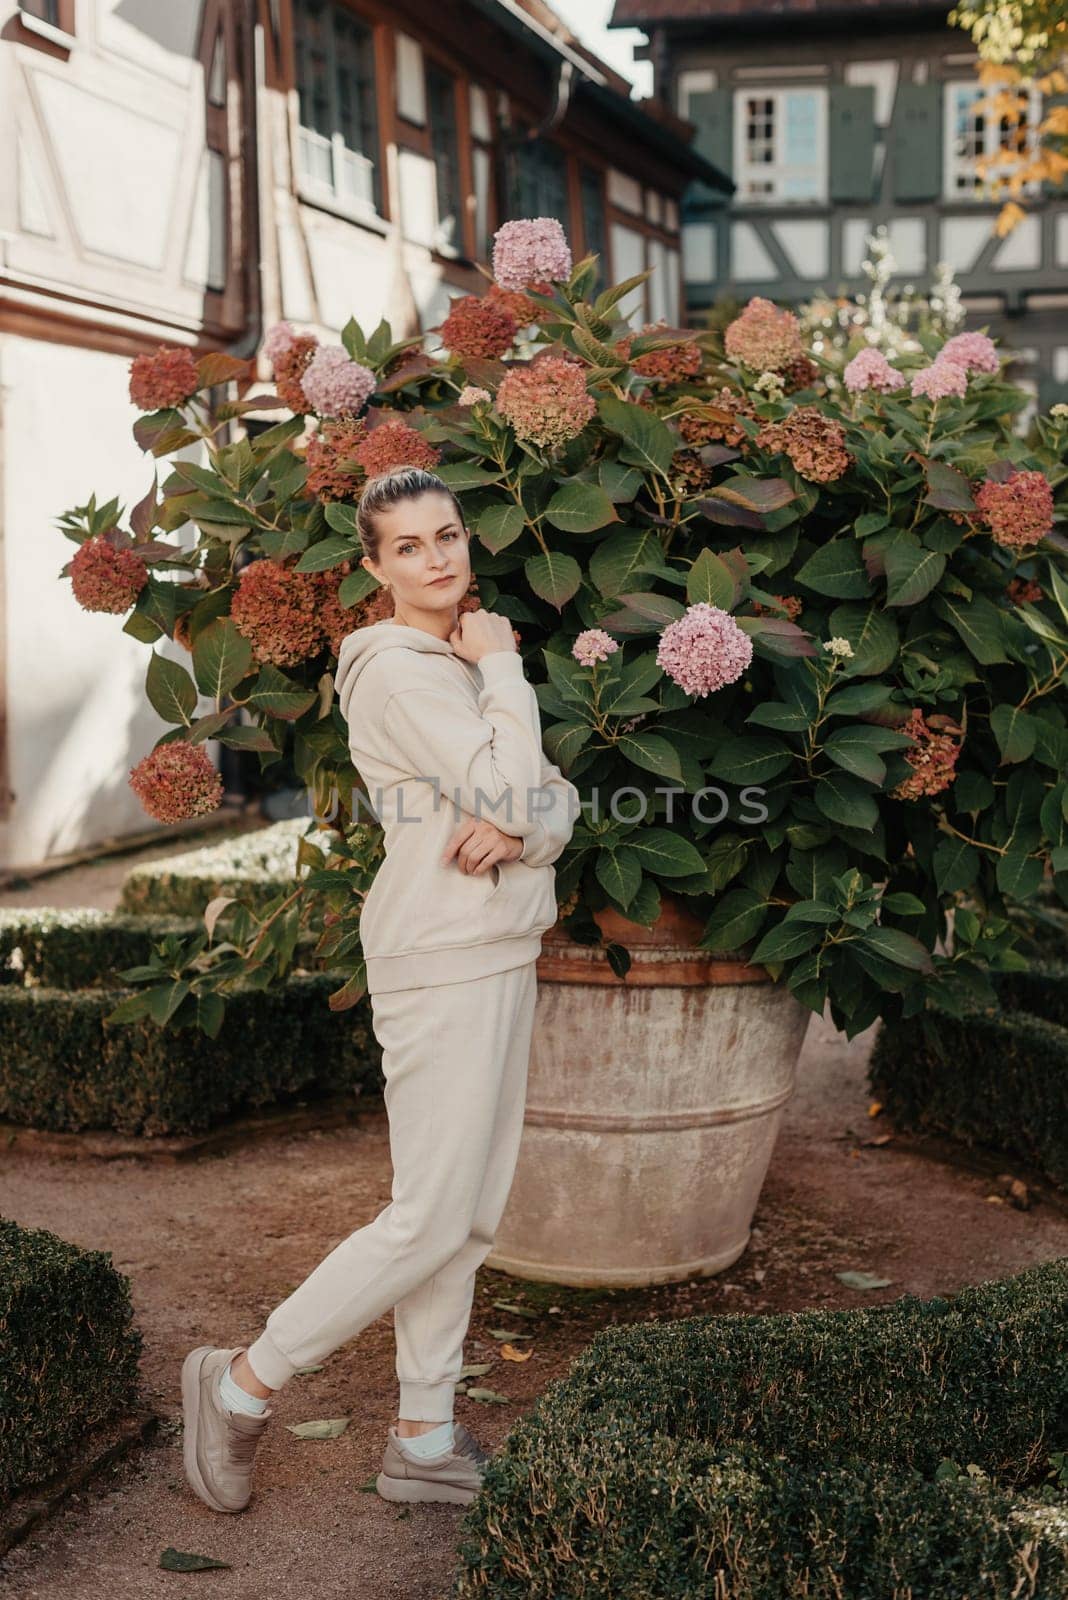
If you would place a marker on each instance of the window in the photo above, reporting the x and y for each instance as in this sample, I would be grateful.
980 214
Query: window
971 133
537 181
48 18
780 137
445 144
481 124
338 136
594 231
43 10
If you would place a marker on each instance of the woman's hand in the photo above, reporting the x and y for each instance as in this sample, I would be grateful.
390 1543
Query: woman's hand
478 844
479 633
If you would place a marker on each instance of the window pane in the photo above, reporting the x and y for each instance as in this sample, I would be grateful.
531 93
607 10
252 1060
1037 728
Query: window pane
45 10
441 110
538 181
338 144
311 22
483 177
593 218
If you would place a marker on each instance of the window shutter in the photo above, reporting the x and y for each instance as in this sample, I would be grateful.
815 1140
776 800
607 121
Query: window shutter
713 112
916 142
851 139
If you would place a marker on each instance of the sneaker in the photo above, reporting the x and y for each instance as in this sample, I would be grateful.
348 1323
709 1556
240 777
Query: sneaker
455 1475
218 1445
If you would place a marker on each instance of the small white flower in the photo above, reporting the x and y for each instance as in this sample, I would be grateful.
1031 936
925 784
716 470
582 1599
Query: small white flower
1060 411
839 647
771 385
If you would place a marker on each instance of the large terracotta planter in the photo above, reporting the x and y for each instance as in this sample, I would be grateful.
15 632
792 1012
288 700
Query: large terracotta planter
653 1105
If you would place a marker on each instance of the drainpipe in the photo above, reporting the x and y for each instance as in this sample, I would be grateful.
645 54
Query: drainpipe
250 50
562 92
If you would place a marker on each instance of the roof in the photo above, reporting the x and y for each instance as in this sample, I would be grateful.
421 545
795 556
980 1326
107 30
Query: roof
539 29
642 13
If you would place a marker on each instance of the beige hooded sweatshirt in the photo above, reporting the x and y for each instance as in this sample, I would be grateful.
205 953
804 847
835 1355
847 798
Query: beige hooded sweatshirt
436 738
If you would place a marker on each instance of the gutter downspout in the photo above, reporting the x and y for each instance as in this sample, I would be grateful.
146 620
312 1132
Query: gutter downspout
507 140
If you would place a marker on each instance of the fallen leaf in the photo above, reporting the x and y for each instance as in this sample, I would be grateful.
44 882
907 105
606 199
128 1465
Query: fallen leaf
510 1305
302 1372
183 1561
487 1394
477 1370
863 1280
371 1486
880 1138
875 1107
321 1428
510 1353
508 1333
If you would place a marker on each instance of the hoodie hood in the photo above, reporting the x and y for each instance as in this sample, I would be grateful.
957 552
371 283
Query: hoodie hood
362 645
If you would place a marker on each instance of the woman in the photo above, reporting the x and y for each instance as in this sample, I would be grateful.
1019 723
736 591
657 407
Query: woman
444 730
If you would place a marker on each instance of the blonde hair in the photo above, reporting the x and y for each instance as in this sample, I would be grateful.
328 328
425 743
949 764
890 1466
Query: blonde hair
388 489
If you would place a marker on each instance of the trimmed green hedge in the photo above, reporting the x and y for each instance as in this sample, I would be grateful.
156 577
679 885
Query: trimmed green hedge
65 1069
254 866
997 1080
81 947
70 1351
793 1457
1042 990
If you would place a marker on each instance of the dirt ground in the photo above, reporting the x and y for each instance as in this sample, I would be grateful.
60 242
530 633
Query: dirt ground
211 1245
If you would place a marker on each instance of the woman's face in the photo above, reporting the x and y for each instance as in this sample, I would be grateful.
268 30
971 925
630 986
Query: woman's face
422 553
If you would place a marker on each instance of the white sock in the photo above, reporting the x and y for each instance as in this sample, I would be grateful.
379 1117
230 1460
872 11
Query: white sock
234 1398
431 1443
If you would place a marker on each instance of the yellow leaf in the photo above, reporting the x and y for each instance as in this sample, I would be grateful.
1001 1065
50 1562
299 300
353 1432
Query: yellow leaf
1010 217
510 1353
1055 121
875 1107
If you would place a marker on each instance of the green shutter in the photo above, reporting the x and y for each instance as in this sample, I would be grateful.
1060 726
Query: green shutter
916 142
713 112
851 138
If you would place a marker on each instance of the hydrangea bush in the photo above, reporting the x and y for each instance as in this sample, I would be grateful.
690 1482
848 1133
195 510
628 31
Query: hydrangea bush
800 648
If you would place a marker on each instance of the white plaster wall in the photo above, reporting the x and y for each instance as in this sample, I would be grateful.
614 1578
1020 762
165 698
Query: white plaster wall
78 719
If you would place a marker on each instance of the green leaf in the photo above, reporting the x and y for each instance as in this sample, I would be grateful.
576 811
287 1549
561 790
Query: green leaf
173 1560
651 752
978 624
778 715
857 747
342 518
1015 731
553 576
948 489
872 634
956 865
500 525
890 944
787 941
856 699
221 658
624 558
579 507
901 904
649 443
620 482
1019 874
326 553
836 569
619 873
461 475
846 800
356 586
668 854
712 581
755 494
750 758
911 571
170 689
737 917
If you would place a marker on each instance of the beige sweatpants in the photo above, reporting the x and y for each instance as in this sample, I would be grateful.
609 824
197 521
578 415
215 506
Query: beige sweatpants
454 1059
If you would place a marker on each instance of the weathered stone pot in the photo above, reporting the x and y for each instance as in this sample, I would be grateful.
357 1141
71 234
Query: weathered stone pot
653 1105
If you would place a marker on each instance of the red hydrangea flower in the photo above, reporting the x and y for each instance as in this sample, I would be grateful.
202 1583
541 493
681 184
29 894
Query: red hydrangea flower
1019 511
395 444
277 610
176 782
164 380
477 327
106 579
334 470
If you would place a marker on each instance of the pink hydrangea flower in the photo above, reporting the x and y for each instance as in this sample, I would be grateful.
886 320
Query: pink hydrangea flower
764 338
972 351
530 250
704 650
940 380
870 370
1018 512
334 385
280 338
471 394
547 402
593 645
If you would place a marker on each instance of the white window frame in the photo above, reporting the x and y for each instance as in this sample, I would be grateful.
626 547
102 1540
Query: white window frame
778 171
955 165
